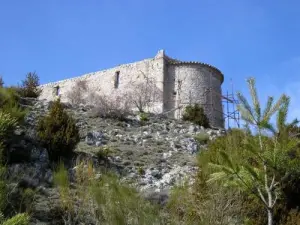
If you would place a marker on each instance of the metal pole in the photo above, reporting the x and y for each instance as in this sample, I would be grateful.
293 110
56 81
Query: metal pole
227 112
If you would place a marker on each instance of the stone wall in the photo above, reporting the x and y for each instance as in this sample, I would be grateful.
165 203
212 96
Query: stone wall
180 83
103 82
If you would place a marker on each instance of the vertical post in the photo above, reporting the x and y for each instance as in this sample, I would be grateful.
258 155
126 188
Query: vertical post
233 101
228 116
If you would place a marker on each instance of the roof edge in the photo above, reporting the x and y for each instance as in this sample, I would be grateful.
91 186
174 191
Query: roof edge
173 61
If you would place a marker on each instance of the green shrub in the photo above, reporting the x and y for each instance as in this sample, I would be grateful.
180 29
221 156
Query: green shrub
141 171
202 138
103 153
107 200
252 210
144 117
8 122
293 218
9 103
118 203
295 131
58 132
7 126
196 115
203 205
29 87
27 199
19 219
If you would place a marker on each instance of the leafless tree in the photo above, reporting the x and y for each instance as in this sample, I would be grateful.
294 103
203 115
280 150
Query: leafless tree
144 95
114 106
76 95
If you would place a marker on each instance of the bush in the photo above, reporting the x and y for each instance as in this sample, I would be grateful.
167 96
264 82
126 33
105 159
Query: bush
196 115
106 199
115 107
77 93
144 117
144 95
29 87
141 171
58 132
203 205
118 203
19 219
202 138
293 218
209 204
7 126
252 210
9 103
103 153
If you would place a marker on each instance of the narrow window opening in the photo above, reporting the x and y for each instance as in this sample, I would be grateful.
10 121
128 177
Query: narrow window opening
56 90
117 79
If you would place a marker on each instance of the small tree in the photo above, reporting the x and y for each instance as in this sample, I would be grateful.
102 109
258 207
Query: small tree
196 115
144 95
258 174
58 132
9 103
29 87
76 95
116 107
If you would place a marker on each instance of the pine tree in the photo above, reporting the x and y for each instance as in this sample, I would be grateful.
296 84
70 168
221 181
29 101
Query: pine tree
258 175
58 132
29 87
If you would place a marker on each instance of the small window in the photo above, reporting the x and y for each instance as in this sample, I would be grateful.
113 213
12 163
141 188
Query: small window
117 79
56 90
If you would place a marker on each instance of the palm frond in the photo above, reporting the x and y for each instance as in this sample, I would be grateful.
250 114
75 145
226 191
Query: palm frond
293 123
292 144
219 167
245 115
268 108
227 160
252 172
268 126
217 176
255 100
282 114
277 105
244 104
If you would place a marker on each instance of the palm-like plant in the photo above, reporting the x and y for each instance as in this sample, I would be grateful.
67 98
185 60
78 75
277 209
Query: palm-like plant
258 174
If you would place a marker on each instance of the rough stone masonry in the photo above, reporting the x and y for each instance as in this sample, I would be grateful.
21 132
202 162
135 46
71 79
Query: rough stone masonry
179 83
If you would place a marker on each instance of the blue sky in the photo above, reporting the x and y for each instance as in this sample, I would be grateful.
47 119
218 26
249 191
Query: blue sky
63 38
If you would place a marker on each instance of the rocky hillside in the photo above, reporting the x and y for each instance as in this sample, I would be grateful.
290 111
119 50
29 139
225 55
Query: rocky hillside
154 155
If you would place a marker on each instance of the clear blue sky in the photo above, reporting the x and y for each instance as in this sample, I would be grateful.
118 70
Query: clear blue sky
63 38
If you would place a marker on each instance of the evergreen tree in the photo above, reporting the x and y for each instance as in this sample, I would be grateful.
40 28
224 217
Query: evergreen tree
258 174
